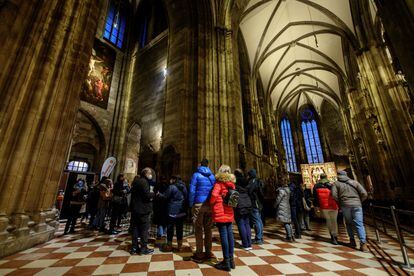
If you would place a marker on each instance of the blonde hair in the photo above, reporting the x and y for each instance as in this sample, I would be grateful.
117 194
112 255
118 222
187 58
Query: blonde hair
224 169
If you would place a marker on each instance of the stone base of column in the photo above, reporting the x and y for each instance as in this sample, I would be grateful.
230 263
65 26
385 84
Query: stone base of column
18 239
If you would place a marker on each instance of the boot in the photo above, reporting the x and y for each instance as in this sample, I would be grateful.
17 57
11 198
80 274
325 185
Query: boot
334 240
223 265
364 247
232 265
179 245
352 243
167 247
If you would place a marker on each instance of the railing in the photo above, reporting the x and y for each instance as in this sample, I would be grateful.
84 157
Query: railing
393 215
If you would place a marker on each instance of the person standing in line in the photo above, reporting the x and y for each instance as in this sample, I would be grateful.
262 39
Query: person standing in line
223 215
103 204
78 197
243 210
176 197
326 204
118 200
296 207
202 183
307 207
92 203
160 217
141 208
350 194
255 191
283 212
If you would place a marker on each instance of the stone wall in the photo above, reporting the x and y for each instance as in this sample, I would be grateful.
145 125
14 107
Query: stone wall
147 102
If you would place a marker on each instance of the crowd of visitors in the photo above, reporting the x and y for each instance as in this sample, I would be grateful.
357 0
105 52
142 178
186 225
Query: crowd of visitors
215 199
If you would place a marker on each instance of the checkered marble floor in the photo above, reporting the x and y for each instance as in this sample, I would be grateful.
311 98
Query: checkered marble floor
87 253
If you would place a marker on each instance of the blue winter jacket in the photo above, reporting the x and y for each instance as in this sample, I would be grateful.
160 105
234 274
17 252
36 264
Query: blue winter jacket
201 185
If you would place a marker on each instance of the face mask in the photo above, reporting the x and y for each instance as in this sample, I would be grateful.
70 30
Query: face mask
149 177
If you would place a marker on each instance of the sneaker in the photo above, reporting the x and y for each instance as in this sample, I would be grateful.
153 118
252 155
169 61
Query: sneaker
147 251
197 257
258 242
134 251
364 247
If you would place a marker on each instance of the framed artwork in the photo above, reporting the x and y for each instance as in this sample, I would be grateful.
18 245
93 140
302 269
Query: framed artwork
311 173
96 88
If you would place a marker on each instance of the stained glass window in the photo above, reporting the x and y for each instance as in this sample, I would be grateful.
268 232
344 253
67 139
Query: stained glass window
115 25
288 145
78 166
311 137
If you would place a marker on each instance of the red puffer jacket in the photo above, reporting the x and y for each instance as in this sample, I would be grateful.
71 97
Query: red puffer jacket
325 199
222 212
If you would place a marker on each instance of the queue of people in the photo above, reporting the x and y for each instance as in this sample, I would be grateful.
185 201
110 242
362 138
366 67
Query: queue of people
216 199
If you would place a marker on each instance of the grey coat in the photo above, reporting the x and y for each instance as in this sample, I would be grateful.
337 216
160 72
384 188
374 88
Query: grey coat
282 205
348 192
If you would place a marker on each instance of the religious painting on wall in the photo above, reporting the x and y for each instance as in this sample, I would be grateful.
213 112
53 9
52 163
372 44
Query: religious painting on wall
96 88
311 173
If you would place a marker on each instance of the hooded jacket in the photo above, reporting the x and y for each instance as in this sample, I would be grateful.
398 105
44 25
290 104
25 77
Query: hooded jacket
255 190
221 212
201 185
323 196
244 205
348 192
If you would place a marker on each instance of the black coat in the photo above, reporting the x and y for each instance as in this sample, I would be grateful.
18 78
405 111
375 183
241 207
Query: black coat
244 205
141 197
255 190
160 205
176 196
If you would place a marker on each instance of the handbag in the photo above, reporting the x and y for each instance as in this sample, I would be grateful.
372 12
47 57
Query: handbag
117 199
231 198
305 205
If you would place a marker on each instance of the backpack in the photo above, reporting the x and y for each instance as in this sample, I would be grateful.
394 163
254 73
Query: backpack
231 198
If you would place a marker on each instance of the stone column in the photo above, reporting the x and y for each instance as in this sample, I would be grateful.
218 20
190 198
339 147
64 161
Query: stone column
44 55
384 124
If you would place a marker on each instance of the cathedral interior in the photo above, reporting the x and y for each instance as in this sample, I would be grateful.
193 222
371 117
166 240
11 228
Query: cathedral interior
287 87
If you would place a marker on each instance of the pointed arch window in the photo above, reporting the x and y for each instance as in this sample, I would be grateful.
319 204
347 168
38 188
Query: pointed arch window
311 137
115 24
288 145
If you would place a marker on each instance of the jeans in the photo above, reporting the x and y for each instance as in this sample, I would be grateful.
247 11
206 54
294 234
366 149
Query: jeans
256 219
99 221
354 217
178 224
161 230
245 232
331 221
140 226
116 213
202 224
289 231
305 219
73 216
295 220
227 239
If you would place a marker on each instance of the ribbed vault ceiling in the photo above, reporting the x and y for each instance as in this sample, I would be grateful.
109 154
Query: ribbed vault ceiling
295 46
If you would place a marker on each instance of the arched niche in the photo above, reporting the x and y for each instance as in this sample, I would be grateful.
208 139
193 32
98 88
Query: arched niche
133 146
88 141
170 162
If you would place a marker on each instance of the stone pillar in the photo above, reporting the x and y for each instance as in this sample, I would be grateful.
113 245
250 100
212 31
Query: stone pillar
384 124
45 50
